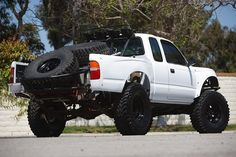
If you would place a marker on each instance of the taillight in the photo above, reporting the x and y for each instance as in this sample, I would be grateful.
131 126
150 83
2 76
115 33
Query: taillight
11 77
94 70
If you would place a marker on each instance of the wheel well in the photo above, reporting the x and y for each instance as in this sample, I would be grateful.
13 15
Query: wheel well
141 78
210 83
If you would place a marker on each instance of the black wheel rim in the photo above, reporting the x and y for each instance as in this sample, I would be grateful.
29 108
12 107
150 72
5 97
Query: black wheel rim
52 122
48 65
213 113
138 108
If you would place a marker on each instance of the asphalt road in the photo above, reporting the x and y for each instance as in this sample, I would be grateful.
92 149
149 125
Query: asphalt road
114 145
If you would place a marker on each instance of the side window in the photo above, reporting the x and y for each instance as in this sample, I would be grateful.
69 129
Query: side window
156 52
172 53
133 47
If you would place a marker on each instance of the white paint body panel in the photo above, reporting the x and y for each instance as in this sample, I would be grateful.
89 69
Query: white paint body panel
115 70
181 83
201 75
180 87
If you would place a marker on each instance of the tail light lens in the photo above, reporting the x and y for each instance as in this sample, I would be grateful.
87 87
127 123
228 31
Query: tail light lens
94 70
11 77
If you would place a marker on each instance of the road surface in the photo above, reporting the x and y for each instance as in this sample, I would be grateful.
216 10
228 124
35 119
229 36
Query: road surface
114 145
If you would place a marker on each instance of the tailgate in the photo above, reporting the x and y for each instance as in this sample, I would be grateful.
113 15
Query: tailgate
17 73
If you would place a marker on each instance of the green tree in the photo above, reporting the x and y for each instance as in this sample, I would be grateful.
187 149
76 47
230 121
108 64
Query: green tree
17 39
6 27
11 50
56 18
230 50
213 40
219 47
30 35
184 22
18 13
26 32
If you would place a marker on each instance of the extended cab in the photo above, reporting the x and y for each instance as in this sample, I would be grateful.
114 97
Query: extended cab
149 77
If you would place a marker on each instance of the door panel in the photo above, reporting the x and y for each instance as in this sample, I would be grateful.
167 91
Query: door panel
180 83
180 89
160 82
160 70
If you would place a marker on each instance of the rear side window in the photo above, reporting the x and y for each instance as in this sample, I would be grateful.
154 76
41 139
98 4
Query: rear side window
172 53
133 47
156 52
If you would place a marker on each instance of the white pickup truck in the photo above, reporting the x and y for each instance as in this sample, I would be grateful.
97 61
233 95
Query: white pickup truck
149 77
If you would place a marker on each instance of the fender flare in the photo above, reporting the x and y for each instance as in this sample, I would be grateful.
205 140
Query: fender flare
139 77
210 83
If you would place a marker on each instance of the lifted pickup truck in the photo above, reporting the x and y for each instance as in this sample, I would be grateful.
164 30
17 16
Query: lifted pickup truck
149 77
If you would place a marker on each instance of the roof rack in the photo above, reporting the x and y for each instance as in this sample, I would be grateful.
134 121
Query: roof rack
108 33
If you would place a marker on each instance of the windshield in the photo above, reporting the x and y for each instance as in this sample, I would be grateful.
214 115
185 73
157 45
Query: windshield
133 47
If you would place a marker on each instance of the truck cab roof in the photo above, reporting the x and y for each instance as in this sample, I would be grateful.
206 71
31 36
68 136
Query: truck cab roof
145 35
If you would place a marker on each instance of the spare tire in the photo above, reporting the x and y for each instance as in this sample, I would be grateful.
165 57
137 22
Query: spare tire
52 64
66 60
83 50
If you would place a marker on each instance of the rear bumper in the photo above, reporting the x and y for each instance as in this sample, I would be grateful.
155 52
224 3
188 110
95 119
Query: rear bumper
50 83
65 86
17 89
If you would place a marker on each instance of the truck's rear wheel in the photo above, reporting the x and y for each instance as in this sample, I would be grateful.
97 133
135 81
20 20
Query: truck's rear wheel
134 114
44 125
210 113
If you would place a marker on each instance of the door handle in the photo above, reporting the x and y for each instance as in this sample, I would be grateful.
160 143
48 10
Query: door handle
172 70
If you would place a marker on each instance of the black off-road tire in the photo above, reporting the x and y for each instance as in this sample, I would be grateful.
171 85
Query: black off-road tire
133 114
83 50
210 113
63 62
36 76
40 126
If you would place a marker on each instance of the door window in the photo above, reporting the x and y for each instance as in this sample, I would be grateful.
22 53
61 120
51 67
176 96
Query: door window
172 53
156 52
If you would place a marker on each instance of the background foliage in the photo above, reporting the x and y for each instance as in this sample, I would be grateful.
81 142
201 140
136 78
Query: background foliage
11 50
187 23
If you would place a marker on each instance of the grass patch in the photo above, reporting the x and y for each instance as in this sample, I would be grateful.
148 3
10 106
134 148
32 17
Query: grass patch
90 129
173 128
231 127
112 129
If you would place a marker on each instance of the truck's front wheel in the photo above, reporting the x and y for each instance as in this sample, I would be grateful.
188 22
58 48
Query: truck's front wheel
44 125
210 113
134 114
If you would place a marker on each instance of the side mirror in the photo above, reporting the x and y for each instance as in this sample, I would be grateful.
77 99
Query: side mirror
191 62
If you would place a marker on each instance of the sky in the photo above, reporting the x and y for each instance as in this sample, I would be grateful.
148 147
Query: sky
226 15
